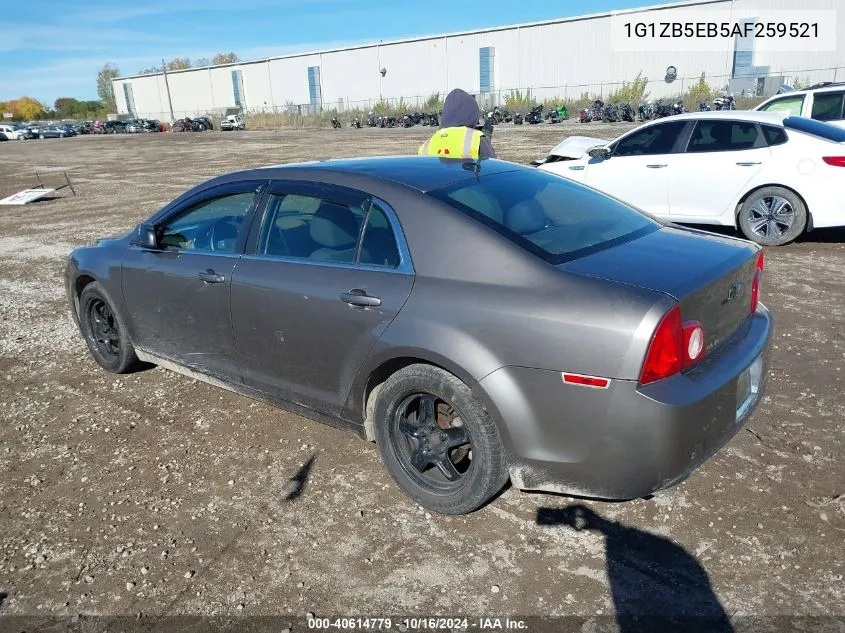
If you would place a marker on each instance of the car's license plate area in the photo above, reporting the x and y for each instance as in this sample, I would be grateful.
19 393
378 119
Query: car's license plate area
748 387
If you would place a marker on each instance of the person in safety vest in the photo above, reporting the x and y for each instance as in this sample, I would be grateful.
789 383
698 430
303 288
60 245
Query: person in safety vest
458 135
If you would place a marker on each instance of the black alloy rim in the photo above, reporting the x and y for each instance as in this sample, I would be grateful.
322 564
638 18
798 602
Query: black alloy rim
432 443
105 331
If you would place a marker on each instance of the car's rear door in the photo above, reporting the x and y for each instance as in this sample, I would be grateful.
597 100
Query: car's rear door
829 106
638 169
721 157
323 277
177 296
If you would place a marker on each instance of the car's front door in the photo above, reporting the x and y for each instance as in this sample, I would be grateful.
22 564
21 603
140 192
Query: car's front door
177 295
638 169
323 278
721 157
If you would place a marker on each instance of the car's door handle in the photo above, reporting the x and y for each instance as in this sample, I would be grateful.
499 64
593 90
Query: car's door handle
656 166
211 277
748 163
358 297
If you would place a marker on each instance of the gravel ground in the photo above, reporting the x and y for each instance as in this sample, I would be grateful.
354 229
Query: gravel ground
154 494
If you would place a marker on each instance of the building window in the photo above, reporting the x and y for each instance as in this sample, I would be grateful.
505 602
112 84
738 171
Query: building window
130 98
314 91
238 87
743 65
486 68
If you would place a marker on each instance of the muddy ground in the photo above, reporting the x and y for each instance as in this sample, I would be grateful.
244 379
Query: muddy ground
154 494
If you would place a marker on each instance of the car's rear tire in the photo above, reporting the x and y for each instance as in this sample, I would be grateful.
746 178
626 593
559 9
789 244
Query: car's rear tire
772 216
105 331
437 440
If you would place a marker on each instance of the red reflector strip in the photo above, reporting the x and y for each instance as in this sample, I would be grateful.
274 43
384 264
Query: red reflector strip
586 381
835 161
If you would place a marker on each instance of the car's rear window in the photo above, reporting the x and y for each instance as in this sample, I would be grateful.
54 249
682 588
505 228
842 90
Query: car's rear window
554 218
816 128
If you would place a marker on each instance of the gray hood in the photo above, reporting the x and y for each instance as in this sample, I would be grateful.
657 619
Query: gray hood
459 110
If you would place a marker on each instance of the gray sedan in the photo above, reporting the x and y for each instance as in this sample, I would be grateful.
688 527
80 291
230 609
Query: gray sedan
479 321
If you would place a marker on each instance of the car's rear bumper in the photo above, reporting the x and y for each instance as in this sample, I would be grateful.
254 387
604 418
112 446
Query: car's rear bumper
625 441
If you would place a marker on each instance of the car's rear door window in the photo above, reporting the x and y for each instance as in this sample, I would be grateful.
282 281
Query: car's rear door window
547 215
720 136
827 106
320 229
774 135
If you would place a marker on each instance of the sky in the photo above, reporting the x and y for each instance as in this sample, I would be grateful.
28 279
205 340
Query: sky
54 48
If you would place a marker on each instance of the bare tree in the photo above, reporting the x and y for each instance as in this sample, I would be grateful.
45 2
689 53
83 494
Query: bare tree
225 58
178 63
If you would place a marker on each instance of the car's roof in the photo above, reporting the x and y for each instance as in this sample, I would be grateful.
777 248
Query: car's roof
775 118
423 173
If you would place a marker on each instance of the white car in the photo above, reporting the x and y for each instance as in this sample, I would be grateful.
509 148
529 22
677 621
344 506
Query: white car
771 176
823 102
232 122
12 132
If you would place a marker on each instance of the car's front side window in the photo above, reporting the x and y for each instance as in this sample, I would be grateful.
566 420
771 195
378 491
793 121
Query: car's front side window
654 139
210 226
720 136
787 105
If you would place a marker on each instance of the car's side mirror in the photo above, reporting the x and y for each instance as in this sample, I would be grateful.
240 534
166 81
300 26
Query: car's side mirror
599 152
145 236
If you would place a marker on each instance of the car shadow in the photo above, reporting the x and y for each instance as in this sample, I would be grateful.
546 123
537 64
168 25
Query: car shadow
656 585
296 484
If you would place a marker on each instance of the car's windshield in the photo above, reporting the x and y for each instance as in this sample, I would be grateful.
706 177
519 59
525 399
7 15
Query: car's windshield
553 218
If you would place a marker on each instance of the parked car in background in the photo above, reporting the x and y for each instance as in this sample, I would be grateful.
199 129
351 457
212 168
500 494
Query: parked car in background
151 125
772 177
134 126
232 122
203 123
567 341
13 132
823 102
54 131
114 127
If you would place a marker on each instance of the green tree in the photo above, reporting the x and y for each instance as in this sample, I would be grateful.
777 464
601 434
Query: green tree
433 102
224 58
105 90
699 91
631 91
179 63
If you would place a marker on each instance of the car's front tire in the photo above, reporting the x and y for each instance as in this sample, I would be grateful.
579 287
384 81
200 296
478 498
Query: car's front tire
772 216
437 440
104 331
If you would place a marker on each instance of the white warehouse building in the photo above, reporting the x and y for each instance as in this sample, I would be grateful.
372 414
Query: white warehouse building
563 58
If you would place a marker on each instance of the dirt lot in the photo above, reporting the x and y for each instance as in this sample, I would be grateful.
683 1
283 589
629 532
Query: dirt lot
154 494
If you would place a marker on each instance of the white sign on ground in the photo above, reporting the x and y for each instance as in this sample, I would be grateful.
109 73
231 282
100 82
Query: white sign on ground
25 196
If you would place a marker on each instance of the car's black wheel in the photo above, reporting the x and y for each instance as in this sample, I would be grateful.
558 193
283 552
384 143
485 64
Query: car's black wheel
105 332
437 440
772 216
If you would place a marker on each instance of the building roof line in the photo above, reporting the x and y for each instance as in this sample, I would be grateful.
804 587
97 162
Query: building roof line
424 38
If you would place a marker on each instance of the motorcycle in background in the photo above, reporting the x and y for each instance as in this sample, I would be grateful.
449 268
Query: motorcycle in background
724 103
535 116
335 123
585 115
518 119
703 107
677 107
626 112
610 114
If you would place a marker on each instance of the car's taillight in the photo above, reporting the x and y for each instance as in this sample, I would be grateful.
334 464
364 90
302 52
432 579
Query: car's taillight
675 345
835 161
755 286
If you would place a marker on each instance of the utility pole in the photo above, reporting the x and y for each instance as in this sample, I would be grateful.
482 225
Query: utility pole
167 86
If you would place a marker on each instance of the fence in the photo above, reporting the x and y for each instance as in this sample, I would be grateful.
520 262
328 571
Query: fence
691 89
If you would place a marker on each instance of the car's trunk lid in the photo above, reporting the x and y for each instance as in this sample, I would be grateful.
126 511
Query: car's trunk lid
711 276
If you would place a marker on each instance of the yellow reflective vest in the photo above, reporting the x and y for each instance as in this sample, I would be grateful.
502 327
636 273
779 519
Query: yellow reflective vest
453 142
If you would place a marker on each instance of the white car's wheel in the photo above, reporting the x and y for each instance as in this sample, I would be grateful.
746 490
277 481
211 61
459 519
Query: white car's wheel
772 216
